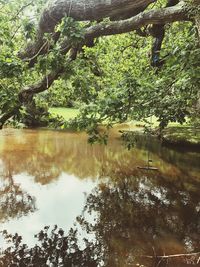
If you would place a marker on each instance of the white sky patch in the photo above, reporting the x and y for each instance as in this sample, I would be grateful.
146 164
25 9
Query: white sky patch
57 203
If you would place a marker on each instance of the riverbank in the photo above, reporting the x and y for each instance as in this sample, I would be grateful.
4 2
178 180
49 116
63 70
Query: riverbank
175 134
182 136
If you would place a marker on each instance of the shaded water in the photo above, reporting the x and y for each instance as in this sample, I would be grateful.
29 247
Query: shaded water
50 177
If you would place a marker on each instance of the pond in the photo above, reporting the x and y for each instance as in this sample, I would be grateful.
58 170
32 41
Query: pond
113 212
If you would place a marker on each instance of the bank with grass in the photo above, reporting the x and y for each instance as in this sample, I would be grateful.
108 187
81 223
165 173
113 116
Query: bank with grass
185 135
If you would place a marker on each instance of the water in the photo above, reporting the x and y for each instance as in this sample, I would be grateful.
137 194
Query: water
128 215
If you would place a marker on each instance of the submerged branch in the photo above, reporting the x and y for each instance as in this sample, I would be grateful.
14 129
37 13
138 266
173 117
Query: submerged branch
171 256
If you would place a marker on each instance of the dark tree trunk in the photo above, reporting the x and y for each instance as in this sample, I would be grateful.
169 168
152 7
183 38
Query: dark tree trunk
8 115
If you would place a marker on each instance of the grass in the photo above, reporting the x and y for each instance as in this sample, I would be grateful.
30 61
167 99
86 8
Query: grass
153 121
70 113
66 113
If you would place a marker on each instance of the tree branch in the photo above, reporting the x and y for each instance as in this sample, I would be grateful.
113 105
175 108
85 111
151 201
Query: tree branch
158 16
25 96
88 10
22 9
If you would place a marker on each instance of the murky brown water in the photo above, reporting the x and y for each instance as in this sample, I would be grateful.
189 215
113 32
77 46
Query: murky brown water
50 177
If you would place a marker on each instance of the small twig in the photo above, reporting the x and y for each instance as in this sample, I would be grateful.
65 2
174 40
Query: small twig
46 65
157 265
16 31
21 9
30 59
70 7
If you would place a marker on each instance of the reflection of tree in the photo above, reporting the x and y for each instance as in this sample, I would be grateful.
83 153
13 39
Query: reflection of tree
46 154
177 156
138 216
53 249
14 202
134 216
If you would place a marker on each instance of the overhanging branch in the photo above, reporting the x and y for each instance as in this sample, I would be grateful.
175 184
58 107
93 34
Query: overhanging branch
158 16
81 10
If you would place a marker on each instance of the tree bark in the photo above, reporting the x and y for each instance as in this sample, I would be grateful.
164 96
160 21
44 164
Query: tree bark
26 94
81 10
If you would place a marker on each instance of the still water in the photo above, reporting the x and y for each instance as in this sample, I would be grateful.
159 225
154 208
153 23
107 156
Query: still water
129 216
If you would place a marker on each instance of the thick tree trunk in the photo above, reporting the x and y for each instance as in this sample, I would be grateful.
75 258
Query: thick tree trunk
81 10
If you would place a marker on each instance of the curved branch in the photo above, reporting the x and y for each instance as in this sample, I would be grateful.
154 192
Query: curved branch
80 10
88 10
158 16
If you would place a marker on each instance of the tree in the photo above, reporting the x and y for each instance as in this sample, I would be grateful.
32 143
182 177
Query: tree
60 37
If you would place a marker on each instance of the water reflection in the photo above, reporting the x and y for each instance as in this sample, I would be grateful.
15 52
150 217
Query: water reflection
46 154
144 216
14 202
129 213
135 217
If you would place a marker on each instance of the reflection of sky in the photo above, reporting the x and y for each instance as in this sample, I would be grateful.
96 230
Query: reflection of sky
57 203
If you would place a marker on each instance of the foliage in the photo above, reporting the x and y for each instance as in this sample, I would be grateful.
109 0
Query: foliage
118 84
111 80
71 29
54 248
